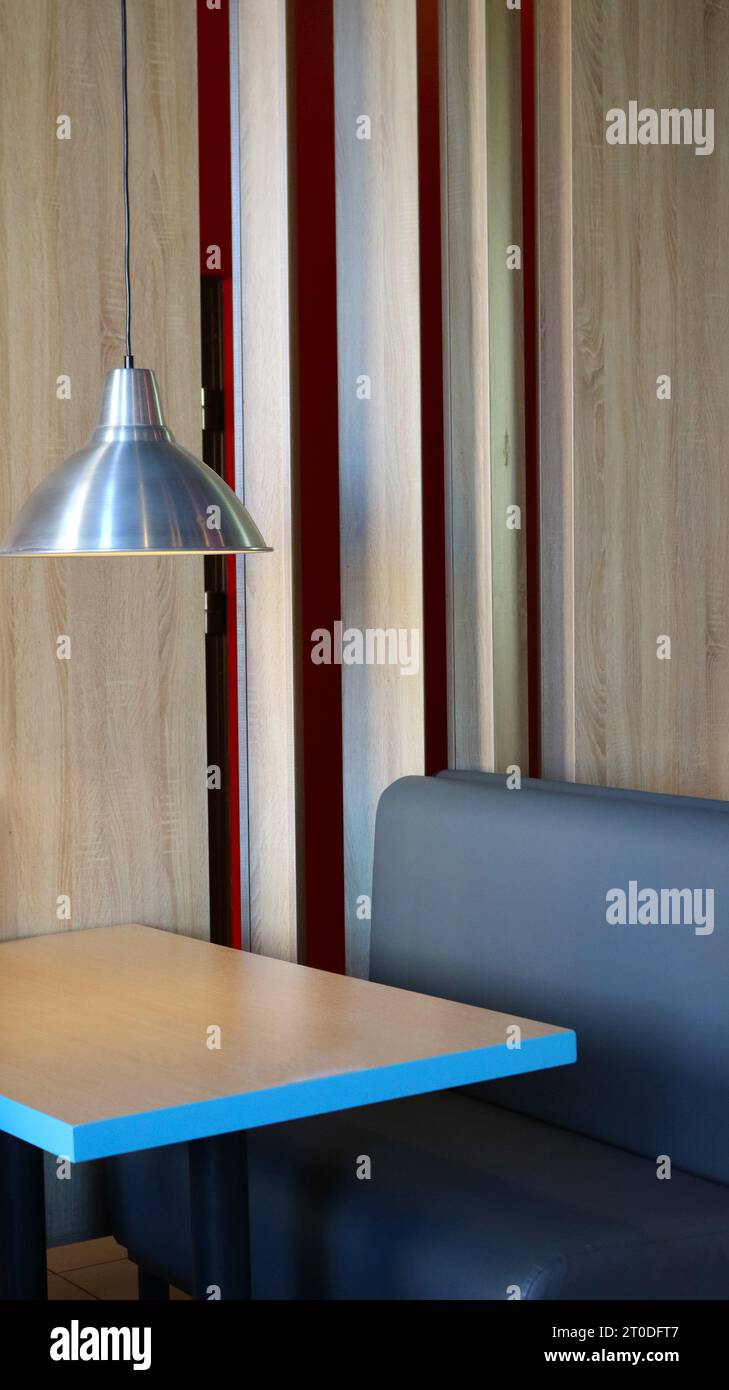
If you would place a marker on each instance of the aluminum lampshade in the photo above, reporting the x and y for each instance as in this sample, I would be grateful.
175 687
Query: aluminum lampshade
132 490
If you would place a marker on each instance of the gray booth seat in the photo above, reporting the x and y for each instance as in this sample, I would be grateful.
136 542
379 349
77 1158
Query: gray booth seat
545 1186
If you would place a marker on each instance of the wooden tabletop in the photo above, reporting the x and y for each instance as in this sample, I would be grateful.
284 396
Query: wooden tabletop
107 1041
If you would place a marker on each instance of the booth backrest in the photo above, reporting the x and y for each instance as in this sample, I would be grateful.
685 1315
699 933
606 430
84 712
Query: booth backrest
507 898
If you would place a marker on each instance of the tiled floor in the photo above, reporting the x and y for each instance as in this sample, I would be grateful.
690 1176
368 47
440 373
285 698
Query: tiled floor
95 1269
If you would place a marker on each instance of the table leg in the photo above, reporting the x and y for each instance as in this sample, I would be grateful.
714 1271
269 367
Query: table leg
22 1221
220 1233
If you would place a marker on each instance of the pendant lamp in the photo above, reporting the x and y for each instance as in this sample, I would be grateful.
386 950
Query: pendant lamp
132 490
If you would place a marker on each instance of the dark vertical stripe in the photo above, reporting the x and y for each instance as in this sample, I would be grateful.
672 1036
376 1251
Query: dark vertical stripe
216 647
315 444
213 95
213 71
431 377
531 378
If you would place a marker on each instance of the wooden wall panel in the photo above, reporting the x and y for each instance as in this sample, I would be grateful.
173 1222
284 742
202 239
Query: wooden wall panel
506 385
380 460
102 758
468 454
264 456
648 244
484 384
556 386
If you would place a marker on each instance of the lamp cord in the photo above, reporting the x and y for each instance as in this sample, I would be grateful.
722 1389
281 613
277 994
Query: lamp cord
128 359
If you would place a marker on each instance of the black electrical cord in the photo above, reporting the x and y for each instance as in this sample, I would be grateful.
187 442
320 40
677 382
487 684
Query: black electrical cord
128 359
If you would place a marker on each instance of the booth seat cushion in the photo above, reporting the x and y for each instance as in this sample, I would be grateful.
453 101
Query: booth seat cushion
466 1200
499 897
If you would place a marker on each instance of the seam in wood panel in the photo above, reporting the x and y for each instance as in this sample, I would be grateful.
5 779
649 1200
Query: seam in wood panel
555 290
447 391
570 694
487 423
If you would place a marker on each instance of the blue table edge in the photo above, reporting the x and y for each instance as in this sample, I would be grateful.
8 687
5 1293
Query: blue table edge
315 1096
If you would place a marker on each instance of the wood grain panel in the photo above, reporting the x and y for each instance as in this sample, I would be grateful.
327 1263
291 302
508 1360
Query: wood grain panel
471 728
262 267
484 384
506 385
556 386
649 245
102 758
380 479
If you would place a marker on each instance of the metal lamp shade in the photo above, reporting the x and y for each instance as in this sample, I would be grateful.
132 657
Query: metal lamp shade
132 490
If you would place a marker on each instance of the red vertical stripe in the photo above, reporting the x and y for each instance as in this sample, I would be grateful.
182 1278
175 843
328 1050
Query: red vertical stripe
316 463
213 69
531 378
213 95
432 406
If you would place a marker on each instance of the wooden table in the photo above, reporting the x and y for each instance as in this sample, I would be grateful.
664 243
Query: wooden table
126 1038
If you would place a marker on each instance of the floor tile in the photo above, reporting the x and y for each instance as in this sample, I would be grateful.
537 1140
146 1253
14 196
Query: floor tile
117 1279
87 1252
96 1270
62 1290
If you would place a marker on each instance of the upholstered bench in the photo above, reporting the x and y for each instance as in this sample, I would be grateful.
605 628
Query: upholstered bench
603 1180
